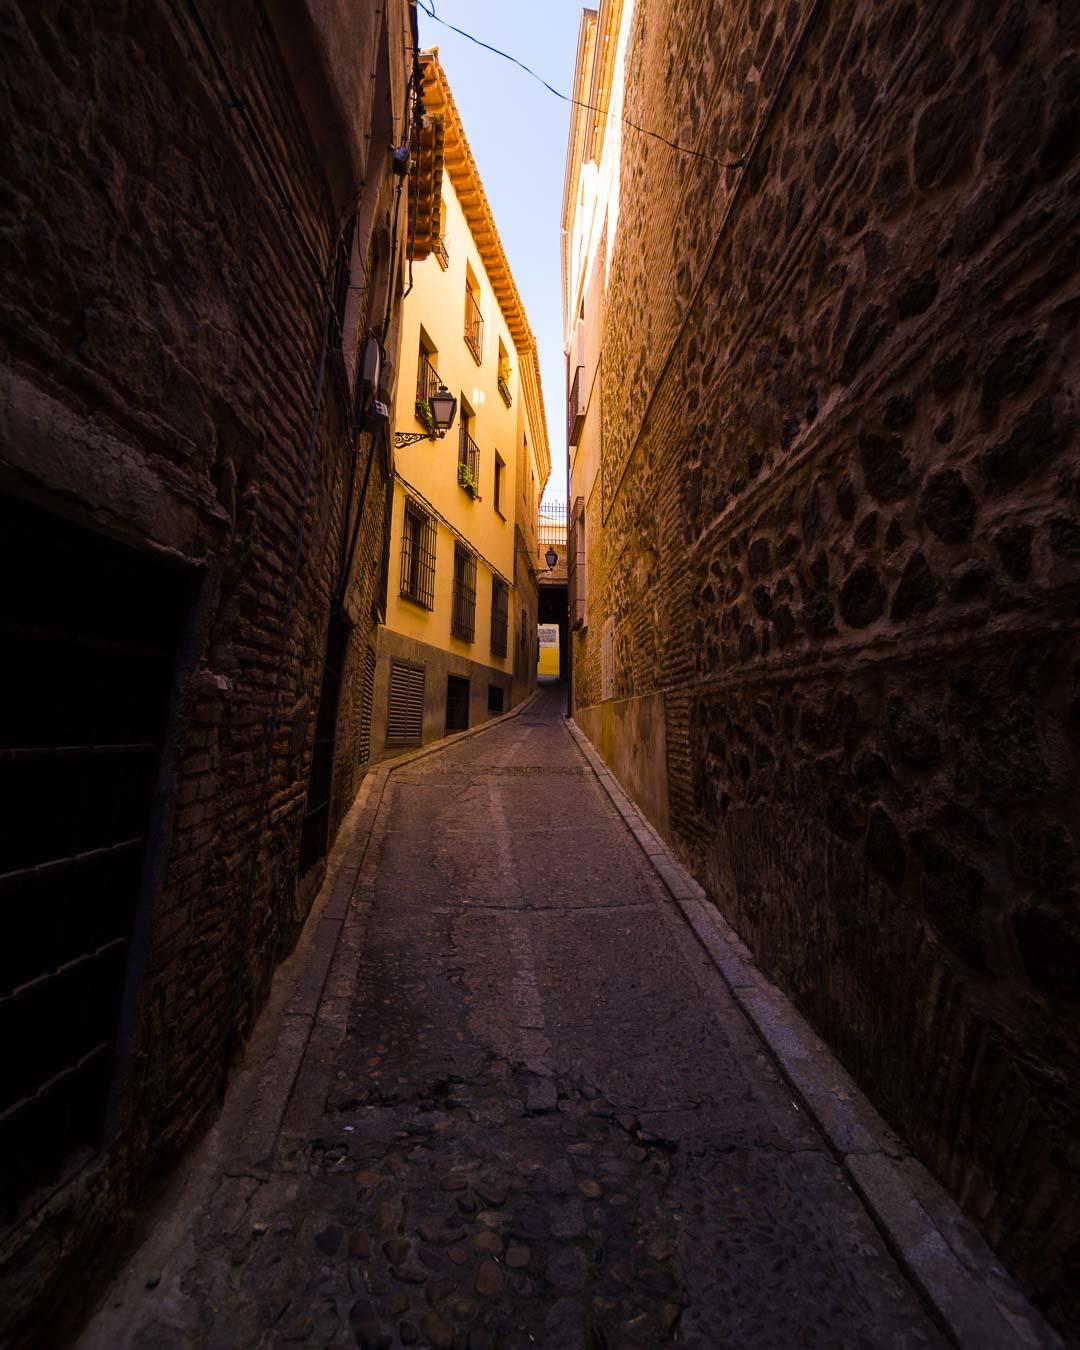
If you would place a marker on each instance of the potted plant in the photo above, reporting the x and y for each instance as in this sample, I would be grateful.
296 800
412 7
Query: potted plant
467 479
425 416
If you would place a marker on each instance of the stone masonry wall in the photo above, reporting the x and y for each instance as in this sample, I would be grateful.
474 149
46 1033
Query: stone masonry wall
838 525
158 295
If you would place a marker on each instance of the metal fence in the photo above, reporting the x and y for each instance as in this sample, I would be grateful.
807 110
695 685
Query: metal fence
551 525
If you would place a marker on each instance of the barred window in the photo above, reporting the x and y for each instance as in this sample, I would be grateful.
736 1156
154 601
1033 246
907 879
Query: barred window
499 607
418 556
463 617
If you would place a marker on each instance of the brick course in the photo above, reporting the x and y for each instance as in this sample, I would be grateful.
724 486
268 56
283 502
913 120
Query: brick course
836 523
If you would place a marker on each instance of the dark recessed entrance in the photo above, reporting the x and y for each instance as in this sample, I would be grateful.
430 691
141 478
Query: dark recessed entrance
89 637
315 831
457 703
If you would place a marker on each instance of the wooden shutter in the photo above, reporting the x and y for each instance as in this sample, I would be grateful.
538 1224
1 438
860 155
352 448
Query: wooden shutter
405 714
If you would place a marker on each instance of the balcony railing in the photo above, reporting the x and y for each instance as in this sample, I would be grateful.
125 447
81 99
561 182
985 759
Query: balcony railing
441 253
427 380
474 327
575 418
468 463
504 386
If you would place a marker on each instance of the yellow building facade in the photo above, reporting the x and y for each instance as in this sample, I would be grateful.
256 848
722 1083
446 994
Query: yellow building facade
459 641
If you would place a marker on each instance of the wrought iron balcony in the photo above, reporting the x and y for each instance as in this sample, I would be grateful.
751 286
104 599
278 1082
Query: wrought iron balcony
441 253
474 327
427 380
468 463
504 386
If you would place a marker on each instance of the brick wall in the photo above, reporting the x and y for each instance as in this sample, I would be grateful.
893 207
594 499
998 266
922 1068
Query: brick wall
836 523
162 322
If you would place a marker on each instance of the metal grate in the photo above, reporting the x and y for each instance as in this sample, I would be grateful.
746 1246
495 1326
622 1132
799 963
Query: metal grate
474 327
551 524
441 252
496 698
367 703
88 646
418 556
499 607
463 614
405 705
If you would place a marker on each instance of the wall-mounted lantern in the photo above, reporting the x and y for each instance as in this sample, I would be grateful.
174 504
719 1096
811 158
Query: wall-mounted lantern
443 407
551 558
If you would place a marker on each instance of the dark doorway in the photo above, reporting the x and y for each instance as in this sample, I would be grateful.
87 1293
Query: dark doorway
90 633
315 832
552 609
457 703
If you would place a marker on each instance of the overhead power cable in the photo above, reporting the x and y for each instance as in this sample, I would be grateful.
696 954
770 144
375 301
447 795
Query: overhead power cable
428 6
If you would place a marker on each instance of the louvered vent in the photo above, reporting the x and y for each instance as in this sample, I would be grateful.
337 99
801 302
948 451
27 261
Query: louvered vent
366 702
405 716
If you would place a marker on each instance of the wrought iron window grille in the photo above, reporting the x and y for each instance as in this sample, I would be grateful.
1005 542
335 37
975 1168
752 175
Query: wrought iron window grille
418 556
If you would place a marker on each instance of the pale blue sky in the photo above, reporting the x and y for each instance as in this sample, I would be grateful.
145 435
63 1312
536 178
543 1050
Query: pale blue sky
518 131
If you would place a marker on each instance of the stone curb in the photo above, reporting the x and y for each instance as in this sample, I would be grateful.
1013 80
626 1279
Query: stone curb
966 1288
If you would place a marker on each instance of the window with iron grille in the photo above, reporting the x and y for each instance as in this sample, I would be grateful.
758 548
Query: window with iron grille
463 615
405 704
90 639
499 606
474 320
418 556
496 698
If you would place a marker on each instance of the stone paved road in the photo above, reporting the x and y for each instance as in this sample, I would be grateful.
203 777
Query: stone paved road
541 1120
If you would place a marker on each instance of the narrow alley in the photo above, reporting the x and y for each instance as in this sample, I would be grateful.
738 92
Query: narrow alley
540 756
529 1112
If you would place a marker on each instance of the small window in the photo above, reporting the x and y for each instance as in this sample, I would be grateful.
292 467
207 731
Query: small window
418 556
457 703
496 694
500 597
474 319
463 615
500 472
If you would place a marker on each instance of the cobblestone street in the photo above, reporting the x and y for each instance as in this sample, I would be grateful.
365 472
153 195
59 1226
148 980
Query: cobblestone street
529 1113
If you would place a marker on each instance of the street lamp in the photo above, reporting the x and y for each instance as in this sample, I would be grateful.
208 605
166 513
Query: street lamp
443 407
551 558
